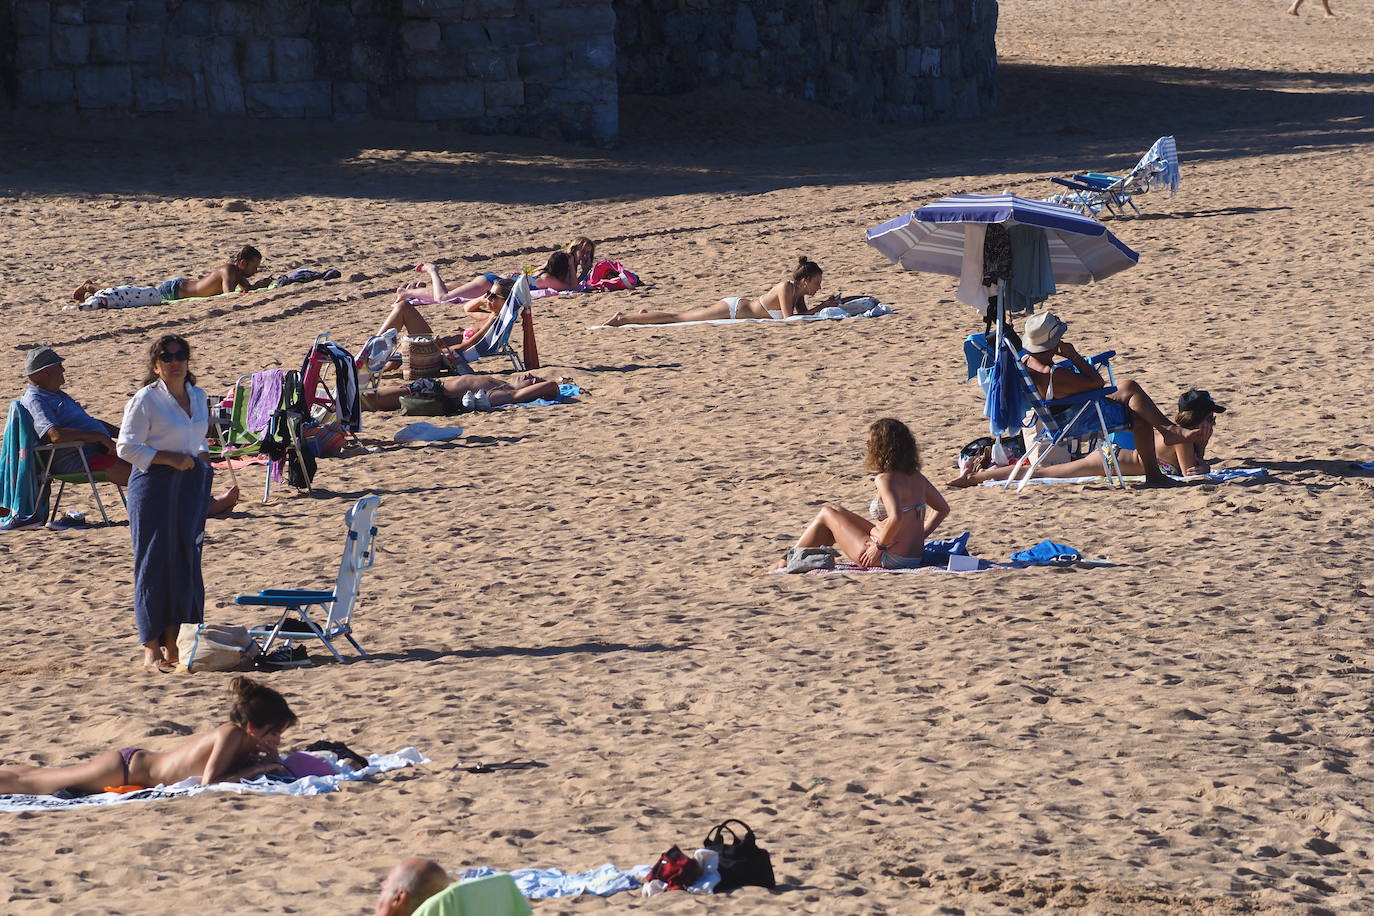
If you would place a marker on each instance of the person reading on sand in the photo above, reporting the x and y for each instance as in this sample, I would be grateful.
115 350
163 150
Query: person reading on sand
232 276
1196 415
474 392
1129 405
905 511
786 299
559 273
243 748
406 317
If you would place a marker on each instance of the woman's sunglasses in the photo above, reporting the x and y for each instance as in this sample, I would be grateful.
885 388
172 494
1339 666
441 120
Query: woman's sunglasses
173 356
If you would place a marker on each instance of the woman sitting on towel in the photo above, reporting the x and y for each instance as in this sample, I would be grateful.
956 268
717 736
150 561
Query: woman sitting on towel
243 748
1196 414
786 299
404 316
905 511
558 274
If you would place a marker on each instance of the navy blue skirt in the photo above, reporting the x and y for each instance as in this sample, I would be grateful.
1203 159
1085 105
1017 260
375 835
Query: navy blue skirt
167 511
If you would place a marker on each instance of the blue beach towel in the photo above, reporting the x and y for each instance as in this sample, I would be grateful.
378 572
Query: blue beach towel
1047 553
19 491
937 552
566 393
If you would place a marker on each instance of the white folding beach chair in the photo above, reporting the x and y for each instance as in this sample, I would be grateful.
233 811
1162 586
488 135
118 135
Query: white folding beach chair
338 604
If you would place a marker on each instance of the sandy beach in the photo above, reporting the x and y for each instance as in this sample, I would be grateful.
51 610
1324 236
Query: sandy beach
584 586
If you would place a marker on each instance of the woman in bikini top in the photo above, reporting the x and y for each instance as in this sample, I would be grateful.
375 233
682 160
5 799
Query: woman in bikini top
786 299
897 539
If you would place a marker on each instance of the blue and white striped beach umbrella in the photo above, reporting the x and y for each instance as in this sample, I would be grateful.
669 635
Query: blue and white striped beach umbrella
1082 250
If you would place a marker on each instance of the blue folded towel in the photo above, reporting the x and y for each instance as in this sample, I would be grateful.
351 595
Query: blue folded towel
1047 553
937 552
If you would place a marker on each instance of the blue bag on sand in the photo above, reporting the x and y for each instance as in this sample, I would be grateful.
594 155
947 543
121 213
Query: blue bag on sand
1047 553
936 553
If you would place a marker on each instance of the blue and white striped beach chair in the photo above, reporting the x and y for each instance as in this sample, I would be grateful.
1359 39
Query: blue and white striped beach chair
1092 192
496 341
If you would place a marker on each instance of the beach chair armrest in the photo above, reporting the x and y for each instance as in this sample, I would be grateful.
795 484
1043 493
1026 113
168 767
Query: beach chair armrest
1074 185
297 592
289 601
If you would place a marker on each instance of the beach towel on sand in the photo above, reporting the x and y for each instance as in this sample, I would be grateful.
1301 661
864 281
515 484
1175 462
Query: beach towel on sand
1225 475
263 785
833 313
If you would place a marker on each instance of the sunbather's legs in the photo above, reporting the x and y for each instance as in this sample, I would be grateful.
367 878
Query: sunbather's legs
385 398
1130 393
712 312
1093 465
407 317
106 769
836 525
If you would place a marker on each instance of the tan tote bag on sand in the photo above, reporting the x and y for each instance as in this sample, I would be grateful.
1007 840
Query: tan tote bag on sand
216 647
420 358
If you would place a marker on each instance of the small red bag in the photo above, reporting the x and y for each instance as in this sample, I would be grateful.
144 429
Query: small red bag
676 869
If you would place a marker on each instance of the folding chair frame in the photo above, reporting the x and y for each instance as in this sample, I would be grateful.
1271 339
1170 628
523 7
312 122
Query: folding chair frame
359 555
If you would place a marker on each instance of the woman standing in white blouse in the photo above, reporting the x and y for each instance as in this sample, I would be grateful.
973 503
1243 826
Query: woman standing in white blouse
163 437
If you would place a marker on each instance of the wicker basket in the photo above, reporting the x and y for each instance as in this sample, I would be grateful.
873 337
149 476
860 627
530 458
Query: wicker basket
420 358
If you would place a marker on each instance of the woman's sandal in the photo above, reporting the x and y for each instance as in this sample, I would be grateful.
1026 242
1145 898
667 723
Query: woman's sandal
161 666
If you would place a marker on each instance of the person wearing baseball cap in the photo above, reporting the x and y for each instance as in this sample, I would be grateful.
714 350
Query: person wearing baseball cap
59 419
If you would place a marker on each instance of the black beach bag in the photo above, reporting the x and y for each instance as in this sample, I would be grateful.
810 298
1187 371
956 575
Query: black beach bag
742 862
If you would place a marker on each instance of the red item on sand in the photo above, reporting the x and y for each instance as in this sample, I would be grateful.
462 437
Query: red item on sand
531 349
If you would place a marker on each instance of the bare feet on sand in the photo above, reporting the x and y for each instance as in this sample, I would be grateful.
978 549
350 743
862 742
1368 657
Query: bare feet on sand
226 502
1158 481
965 479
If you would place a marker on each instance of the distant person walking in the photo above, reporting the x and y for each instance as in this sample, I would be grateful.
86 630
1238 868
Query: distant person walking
1297 4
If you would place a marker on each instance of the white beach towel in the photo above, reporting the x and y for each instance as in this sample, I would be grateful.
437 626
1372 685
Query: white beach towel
834 313
306 785
427 432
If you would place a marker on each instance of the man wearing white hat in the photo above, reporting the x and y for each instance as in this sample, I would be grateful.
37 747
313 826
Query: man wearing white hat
1044 340
58 419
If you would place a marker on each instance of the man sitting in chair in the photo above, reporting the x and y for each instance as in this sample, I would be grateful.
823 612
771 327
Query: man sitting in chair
59 419
1129 405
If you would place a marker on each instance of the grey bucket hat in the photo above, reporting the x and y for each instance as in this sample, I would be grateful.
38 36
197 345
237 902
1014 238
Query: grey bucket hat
40 358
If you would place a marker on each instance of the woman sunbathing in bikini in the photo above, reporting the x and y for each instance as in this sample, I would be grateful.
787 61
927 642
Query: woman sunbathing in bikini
404 316
558 273
786 299
471 392
1196 415
906 510
243 748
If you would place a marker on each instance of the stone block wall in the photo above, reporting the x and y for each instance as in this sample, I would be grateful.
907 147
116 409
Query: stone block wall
879 60
535 67
540 67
